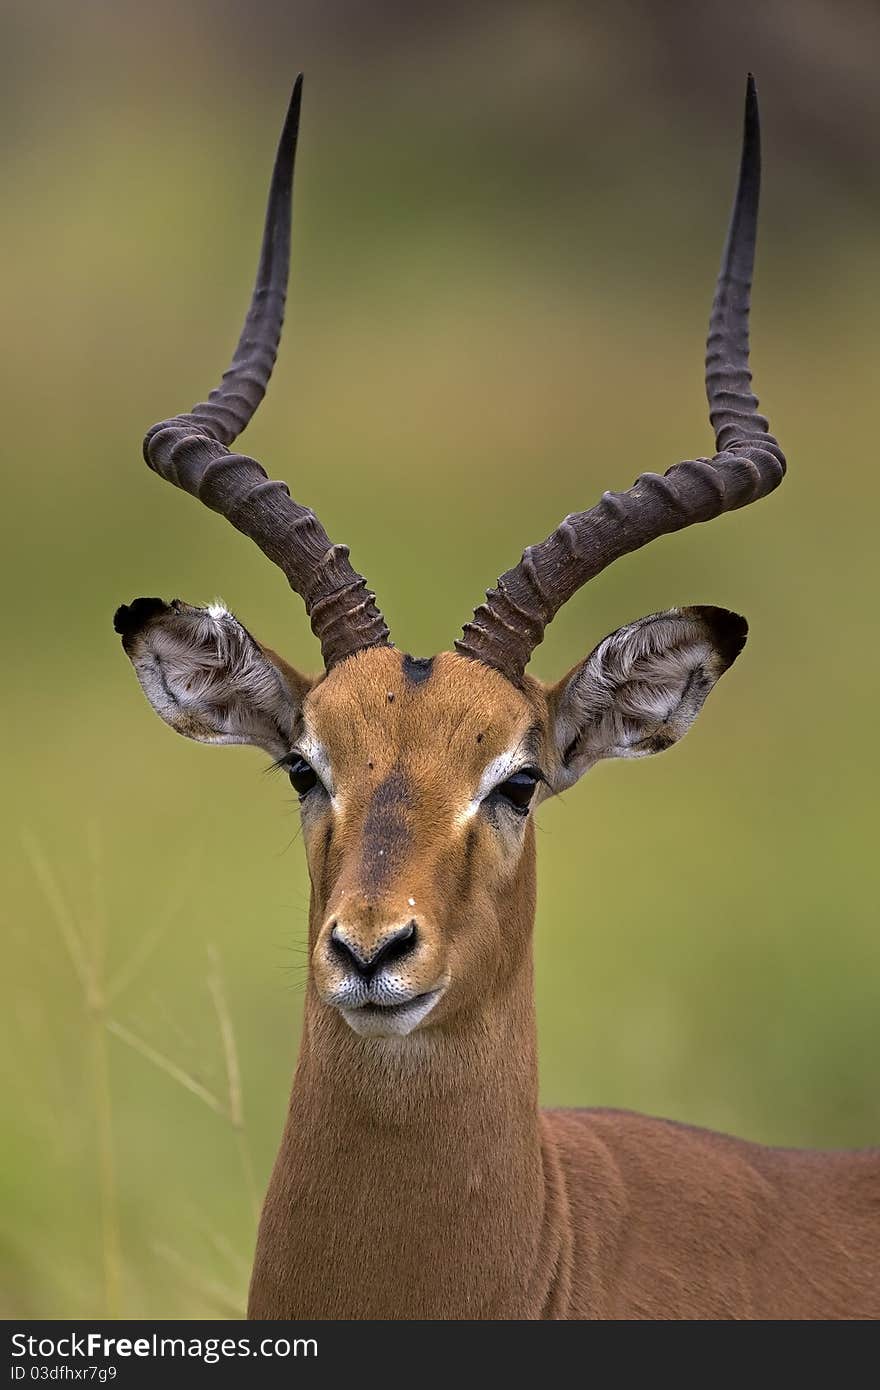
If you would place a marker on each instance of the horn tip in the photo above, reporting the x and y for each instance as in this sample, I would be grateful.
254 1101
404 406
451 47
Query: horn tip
291 120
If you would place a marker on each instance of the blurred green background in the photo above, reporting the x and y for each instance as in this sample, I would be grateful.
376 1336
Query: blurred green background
507 229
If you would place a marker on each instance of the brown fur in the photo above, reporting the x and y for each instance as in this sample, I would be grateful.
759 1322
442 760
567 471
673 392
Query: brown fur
417 1177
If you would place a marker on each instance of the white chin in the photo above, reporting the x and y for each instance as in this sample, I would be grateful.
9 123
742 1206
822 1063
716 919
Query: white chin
374 1022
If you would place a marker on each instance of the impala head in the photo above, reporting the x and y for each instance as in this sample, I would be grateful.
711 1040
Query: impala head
418 778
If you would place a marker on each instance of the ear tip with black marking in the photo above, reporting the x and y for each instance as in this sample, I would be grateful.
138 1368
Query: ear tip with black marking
729 631
131 617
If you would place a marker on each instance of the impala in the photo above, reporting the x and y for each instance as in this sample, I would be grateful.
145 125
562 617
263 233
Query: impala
417 1176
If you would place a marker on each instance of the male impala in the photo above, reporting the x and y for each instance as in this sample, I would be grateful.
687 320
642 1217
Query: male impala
417 1177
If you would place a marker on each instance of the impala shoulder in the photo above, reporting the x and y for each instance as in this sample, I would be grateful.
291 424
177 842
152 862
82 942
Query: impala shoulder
664 1161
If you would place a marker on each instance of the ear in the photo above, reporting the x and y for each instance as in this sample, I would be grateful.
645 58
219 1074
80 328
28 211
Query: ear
207 677
642 688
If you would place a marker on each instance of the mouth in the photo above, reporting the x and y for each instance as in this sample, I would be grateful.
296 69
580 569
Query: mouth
391 1020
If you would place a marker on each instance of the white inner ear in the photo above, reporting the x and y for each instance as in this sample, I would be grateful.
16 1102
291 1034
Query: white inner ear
637 693
205 675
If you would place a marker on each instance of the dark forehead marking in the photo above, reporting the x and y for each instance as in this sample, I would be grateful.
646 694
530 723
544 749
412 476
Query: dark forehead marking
417 669
386 829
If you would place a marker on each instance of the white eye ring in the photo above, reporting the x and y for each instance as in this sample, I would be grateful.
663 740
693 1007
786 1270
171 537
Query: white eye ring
518 790
310 751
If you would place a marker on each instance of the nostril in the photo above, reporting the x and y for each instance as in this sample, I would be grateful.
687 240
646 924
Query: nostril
347 950
397 944
401 943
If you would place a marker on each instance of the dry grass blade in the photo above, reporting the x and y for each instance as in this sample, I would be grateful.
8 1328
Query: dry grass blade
89 970
128 973
164 1064
233 1072
106 1168
219 1243
87 956
99 906
227 1037
213 1292
67 928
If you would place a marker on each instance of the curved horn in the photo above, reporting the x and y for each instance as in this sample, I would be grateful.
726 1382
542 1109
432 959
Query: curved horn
191 450
749 463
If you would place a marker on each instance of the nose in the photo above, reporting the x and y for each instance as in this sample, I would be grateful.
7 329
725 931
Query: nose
366 960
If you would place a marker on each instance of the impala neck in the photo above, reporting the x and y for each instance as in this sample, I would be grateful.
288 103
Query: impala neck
411 1180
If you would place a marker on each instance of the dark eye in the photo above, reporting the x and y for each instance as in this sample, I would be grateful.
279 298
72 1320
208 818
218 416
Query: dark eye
302 776
519 789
